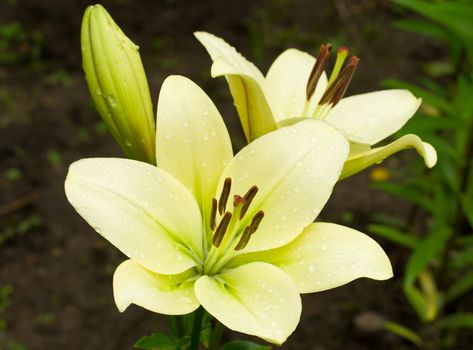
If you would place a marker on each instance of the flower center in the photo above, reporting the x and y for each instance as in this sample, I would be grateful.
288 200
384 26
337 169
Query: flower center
230 234
338 82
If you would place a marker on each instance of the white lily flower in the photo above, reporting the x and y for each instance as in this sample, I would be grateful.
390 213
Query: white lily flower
233 234
296 88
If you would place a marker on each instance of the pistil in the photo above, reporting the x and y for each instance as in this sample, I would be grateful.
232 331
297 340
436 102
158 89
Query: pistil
342 55
229 236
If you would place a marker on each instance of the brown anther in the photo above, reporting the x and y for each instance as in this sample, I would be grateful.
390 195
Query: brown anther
245 238
222 202
237 200
249 230
221 229
338 88
318 69
248 198
256 221
213 214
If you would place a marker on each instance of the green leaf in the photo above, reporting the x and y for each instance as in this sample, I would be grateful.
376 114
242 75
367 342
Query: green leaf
455 15
244 345
417 301
403 332
394 235
206 330
460 287
411 193
157 341
462 259
457 321
422 123
424 253
467 206
423 27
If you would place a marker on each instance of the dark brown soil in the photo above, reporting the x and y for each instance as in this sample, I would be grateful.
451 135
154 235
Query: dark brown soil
59 268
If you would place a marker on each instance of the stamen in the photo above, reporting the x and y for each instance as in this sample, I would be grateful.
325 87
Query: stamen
256 221
248 198
213 214
318 69
342 54
221 229
222 202
337 89
249 230
245 238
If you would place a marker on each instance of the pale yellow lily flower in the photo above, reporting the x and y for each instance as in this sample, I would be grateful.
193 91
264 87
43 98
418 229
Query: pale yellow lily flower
280 98
233 234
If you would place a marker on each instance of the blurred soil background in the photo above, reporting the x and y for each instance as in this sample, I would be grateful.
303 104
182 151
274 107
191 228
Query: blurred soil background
55 271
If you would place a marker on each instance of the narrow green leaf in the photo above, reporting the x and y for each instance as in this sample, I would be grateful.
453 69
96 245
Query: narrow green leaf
394 235
457 321
417 301
411 193
423 27
455 15
403 332
424 253
460 287
462 259
157 341
244 345
467 206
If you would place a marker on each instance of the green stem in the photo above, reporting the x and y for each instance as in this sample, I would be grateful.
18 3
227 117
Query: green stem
216 335
196 328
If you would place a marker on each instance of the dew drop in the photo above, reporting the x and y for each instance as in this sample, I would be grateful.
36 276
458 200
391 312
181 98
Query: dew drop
111 101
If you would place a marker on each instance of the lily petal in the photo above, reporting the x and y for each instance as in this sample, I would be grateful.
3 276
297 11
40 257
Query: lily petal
295 169
361 160
326 256
164 294
287 79
247 85
140 209
257 299
371 117
192 141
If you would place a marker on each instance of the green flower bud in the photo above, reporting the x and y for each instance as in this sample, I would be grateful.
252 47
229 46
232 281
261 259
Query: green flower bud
117 82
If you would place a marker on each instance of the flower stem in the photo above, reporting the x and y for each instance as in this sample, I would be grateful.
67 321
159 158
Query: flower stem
216 335
196 328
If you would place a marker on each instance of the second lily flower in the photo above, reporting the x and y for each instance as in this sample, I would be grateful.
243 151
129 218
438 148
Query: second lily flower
284 97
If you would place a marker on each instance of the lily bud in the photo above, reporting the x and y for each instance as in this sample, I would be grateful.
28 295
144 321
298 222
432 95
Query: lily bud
117 83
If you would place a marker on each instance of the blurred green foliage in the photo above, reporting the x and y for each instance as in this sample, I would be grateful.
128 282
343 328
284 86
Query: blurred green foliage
439 233
17 45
